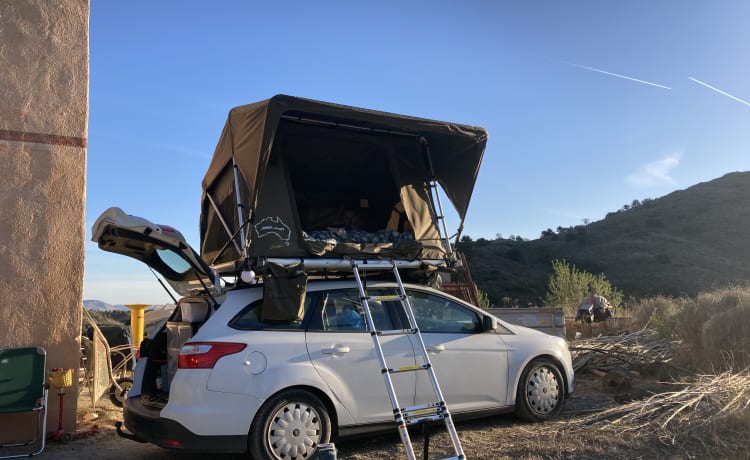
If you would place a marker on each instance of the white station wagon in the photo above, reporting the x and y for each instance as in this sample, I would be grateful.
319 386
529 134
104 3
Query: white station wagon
223 377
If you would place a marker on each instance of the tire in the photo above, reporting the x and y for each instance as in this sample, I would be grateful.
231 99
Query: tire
541 391
306 421
118 397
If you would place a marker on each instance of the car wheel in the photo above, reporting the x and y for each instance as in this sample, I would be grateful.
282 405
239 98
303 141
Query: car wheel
118 397
541 391
289 426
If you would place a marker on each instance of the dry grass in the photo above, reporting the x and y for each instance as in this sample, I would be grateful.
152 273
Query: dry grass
636 348
694 416
709 414
714 327
656 313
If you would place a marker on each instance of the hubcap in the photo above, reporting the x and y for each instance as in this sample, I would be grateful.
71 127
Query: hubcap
543 391
294 432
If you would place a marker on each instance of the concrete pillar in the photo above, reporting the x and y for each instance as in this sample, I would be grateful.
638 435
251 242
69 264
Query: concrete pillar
44 71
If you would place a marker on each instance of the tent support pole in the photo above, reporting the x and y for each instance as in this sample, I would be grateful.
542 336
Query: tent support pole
226 245
240 217
223 222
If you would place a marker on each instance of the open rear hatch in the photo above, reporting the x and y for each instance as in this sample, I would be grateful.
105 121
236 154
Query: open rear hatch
161 247
165 250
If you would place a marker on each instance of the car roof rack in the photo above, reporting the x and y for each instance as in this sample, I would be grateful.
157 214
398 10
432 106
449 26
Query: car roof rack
315 264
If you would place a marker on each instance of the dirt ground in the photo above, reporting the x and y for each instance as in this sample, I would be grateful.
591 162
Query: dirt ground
498 437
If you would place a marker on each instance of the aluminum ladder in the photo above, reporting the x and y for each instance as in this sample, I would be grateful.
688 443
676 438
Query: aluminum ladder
410 415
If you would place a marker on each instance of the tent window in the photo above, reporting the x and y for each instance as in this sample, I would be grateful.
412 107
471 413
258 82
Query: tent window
343 182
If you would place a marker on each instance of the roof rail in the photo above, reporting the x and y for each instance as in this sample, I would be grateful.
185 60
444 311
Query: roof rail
346 264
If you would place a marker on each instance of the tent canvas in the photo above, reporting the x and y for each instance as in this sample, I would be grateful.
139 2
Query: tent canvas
288 173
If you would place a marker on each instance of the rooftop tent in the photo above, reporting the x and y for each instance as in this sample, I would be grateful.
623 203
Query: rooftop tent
291 177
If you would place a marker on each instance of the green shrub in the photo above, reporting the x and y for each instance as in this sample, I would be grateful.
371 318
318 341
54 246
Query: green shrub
568 285
484 299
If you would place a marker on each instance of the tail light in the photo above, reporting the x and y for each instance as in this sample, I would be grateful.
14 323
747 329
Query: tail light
203 355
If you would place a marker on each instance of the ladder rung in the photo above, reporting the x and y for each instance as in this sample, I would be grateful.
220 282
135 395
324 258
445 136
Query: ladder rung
431 417
418 367
375 265
423 407
397 332
424 412
385 298
424 415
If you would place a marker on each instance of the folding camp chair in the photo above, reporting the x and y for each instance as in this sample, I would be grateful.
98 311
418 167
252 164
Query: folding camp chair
23 388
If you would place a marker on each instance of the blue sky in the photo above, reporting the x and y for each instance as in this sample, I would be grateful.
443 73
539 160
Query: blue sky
589 104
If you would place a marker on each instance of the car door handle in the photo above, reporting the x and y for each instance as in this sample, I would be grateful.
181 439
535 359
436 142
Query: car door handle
436 348
336 349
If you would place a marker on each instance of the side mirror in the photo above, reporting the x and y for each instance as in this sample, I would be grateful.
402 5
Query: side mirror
488 323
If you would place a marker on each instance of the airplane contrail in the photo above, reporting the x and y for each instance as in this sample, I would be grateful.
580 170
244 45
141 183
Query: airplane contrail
594 69
719 91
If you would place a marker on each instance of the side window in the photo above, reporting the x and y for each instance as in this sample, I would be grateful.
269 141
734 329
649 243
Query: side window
249 318
343 311
438 314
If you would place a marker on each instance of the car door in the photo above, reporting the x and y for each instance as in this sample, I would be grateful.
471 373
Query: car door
471 365
342 351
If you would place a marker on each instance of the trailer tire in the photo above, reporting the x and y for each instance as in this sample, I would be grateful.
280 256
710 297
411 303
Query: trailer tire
118 397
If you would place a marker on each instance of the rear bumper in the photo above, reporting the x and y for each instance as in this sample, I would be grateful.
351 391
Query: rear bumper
146 425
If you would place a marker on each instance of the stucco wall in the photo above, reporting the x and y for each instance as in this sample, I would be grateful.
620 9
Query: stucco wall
43 128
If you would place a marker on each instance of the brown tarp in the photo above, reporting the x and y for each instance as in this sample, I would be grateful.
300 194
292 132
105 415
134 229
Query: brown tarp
254 133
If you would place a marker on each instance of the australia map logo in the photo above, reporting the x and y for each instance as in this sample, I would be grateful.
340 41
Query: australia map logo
273 226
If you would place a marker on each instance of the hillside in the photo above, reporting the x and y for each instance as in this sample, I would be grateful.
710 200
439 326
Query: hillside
98 305
105 314
686 242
